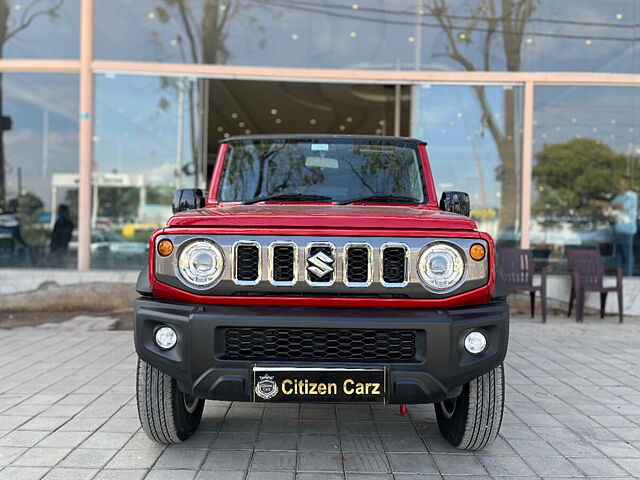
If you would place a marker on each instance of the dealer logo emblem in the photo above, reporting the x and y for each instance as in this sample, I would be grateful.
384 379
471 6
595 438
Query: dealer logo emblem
320 264
266 388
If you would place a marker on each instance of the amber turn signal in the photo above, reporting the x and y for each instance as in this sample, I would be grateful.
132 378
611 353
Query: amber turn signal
165 247
477 252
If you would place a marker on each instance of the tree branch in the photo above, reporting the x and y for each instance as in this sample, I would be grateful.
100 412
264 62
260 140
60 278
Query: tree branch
27 19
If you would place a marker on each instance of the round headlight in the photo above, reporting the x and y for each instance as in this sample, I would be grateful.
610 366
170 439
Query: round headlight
440 267
201 263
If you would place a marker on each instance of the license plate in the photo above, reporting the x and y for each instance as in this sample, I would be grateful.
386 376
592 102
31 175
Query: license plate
314 384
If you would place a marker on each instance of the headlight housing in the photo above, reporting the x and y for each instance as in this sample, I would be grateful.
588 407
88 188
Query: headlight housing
441 268
201 263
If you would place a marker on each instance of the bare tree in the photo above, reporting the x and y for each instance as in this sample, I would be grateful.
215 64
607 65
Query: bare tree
487 24
200 41
11 24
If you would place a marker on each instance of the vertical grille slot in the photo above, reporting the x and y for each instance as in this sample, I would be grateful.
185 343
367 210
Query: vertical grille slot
320 264
247 263
282 263
357 265
394 265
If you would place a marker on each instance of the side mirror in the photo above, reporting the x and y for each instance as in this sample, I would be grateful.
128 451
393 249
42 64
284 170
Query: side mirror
455 202
187 199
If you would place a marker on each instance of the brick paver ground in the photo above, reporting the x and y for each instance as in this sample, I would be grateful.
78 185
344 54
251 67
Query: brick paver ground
67 411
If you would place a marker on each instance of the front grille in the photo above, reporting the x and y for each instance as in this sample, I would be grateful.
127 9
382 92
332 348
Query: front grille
247 263
283 263
394 265
358 268
319 343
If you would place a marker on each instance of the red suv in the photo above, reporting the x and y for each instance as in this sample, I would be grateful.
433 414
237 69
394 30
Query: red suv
321 268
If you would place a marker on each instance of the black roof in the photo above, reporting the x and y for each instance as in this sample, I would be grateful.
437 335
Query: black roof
320 136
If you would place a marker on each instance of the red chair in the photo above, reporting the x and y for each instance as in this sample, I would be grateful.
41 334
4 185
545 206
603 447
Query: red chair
587 273
517 266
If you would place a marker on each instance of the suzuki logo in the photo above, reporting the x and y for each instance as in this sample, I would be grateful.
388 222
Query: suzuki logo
320 264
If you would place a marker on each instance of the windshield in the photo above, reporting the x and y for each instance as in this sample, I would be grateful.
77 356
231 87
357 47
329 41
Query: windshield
322 170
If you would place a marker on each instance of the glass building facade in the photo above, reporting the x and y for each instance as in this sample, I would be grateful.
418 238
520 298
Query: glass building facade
531 106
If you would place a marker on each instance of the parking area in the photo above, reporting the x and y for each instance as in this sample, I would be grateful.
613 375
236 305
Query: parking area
68 411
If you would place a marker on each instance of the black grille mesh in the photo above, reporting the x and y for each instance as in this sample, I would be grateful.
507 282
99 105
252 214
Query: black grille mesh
358 264
283 256
315 343
247 262
393 265
327 277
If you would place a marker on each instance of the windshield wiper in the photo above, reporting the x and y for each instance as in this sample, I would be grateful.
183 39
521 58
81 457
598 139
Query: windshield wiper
288 197
380 198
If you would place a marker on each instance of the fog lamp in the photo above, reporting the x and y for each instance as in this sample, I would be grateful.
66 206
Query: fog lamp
475 342
166 338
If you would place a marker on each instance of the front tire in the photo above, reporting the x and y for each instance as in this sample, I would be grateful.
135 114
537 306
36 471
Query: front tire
471 421
167 415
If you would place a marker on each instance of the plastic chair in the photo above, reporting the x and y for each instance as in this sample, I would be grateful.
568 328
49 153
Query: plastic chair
587 273
518 266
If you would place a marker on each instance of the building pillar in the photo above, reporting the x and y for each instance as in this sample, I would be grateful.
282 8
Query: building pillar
86 135
527 165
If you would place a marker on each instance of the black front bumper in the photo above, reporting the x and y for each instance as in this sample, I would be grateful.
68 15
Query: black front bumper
439 370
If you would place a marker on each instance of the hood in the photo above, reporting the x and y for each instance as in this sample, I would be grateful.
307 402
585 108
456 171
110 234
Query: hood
323 216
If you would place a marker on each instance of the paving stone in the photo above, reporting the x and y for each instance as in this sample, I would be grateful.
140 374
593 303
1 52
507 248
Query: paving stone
411 463
227 460
598 467
22 438
134 459
361 443
631 465
319 476
463 464
127 474
23 473
181 458
320 462
271 475
504 466
63 439
413 444
9 454
365 462
552 466
70 474
171 474
319 443
273 461
41 457
109 440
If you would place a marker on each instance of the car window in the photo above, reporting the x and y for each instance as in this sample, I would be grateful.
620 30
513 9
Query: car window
339 170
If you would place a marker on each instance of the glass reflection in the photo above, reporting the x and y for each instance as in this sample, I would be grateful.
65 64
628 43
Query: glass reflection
473 135
585 149
146 144
39 156
39 28
542 35
325 170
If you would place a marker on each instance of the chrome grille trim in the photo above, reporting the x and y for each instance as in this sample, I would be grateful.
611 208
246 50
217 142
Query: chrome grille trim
477 273
234 262
271 268
334 263
345 262
386 246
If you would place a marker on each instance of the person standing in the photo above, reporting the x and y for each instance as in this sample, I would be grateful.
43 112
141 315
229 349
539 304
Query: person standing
61 236
625 213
